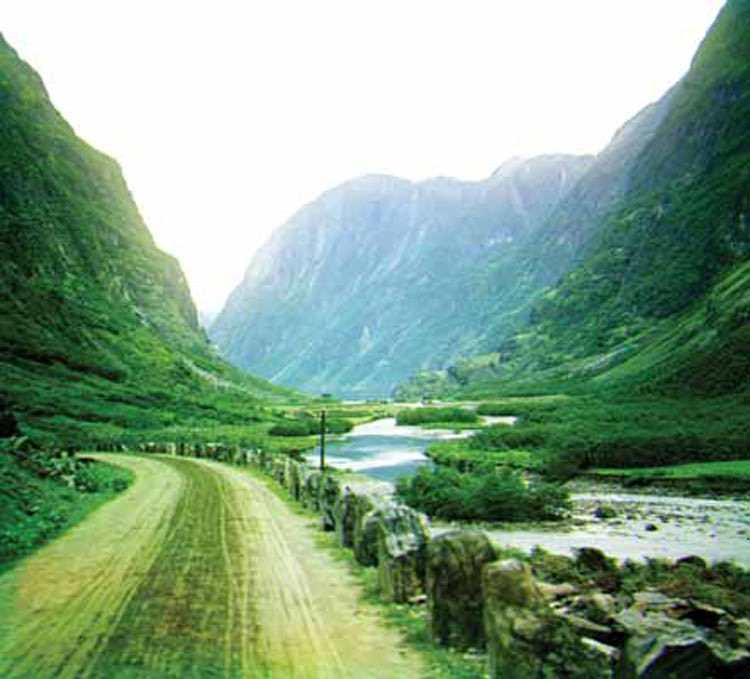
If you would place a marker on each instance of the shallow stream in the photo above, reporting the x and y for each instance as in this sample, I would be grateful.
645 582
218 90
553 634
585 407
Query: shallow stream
644 525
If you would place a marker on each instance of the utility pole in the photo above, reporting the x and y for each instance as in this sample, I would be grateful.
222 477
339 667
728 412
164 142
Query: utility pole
323 440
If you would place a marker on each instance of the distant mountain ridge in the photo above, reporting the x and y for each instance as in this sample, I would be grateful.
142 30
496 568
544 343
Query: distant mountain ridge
376 278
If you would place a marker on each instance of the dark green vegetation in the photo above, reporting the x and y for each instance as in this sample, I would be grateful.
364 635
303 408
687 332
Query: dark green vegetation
42 495
309 426
422 416
99 339
562 436
485 494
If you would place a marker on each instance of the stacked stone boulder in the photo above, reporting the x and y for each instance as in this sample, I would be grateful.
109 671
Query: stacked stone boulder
350 511
525 639
330 493
310 495
292 477
403 536
455 561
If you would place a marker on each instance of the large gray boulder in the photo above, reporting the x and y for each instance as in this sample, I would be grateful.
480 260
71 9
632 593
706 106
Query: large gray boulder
293 477
350 510
277 467
366 534
525 639
310 493
454 587
662 646
330 492
403 535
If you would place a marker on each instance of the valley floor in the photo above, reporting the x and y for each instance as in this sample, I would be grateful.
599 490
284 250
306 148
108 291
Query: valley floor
197 571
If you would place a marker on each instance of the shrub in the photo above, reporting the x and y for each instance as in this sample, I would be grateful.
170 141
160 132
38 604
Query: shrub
419 416
310 427
292 428
491 495
505 437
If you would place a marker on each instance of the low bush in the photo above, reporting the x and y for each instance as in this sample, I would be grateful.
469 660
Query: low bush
488 495
505 437
310 427
419 416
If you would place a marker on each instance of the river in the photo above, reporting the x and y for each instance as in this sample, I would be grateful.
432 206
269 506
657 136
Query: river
646 524
382 450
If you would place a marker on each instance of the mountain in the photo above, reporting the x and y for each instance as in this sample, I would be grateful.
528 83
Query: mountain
657 297
99 336
378 276
517 278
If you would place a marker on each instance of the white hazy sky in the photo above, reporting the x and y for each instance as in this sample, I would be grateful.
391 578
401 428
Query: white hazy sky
228 116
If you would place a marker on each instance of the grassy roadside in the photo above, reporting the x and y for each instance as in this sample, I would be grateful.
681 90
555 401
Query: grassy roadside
38 506
410 620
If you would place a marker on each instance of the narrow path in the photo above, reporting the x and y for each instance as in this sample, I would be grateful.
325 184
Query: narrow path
197 571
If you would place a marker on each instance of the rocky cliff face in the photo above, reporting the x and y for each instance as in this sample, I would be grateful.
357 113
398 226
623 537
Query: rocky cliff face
380 276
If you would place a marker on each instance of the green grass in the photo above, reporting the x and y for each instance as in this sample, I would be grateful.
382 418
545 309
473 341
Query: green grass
456 427
38 506
461 455
738 469
450 416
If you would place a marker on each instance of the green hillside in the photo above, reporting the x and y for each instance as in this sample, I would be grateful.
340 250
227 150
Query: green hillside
99 337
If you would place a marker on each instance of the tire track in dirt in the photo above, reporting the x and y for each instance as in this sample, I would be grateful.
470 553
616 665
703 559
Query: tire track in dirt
62 603
187 617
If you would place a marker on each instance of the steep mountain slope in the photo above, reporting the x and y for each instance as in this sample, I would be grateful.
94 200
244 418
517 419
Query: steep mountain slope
517 277
660 297
98 332
379 276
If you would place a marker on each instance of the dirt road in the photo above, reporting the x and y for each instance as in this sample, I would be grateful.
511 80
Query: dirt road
197 571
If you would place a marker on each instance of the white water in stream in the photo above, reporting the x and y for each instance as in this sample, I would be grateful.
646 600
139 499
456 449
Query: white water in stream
646 525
